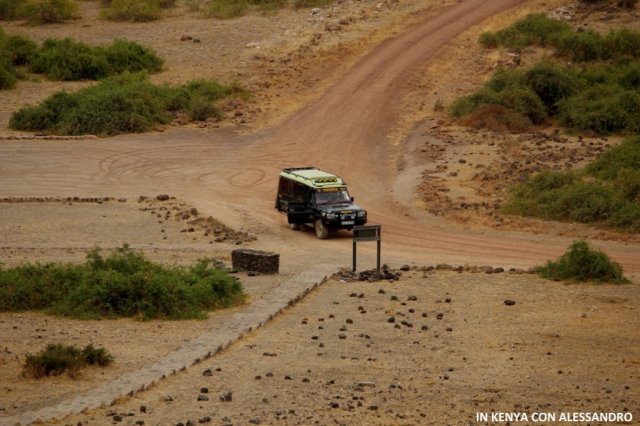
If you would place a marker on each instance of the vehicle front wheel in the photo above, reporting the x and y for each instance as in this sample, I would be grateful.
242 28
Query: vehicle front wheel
322 231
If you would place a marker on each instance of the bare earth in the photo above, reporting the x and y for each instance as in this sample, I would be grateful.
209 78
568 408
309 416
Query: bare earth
353 90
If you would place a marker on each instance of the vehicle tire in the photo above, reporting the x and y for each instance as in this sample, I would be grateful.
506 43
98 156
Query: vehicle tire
295 226
322 231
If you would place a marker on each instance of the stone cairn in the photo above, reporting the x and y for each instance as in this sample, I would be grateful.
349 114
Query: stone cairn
255 261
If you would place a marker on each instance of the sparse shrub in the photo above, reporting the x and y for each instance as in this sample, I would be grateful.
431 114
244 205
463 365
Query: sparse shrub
10 9
49 11
582 263
496 118
194 5
621 43
226 9
123 284
201 109
57 359
312 3
133 10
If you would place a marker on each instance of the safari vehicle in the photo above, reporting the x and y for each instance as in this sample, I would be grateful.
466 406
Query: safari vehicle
311 197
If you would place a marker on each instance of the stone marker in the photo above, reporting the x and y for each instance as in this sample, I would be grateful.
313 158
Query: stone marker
255 261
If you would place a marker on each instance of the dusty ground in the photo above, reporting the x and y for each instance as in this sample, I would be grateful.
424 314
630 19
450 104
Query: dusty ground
433 348
546 353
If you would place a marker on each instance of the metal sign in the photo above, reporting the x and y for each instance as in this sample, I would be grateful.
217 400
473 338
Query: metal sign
366 233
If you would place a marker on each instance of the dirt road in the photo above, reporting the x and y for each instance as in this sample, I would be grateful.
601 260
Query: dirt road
232 175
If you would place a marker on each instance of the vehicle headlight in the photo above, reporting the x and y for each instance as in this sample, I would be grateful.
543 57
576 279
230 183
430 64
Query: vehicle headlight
331 216
362 213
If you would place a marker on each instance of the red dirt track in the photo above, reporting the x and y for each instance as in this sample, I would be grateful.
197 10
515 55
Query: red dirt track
232 176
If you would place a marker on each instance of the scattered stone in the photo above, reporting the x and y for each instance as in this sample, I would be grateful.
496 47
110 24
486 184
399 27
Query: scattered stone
509 302
205 419
203 397
391 320
226 397
204 390
269 354
161 197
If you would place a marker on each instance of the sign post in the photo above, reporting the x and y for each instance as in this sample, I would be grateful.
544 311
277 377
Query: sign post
366 233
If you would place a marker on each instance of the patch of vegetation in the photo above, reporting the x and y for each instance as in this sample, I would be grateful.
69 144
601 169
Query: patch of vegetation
123 284
70 60
606 193
57 359
312 3
534 29
38 12
10 9
582 263
129 103
601 97
133 10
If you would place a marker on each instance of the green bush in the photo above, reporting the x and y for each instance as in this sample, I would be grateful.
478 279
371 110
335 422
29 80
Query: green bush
69 60
8 78
49 11
10 9
610 200
602 109
19 50
124 55
625 156
57 359
535 29
582 263
133 10
124 104
123 284
552 83
226 9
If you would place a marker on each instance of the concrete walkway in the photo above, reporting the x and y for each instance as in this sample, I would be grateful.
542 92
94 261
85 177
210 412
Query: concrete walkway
208 344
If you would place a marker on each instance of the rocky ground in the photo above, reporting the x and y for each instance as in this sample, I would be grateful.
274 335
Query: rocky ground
432 347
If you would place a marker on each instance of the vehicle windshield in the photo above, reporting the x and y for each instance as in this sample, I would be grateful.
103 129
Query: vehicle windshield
333 197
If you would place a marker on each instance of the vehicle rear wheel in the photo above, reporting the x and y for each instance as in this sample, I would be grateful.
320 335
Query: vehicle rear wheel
322 231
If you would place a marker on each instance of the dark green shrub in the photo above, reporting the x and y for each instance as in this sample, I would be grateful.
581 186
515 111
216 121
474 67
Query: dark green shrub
124 55
69 60
621 43
49 11
123 284
582 263
603 110
57 359
625 156
551 83
96 356
534 29
7 75
19 50
581 47
133 10
201 109
10 9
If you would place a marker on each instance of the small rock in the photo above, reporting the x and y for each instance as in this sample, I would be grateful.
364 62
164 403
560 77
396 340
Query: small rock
162 197
509 302
203 397
226 397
